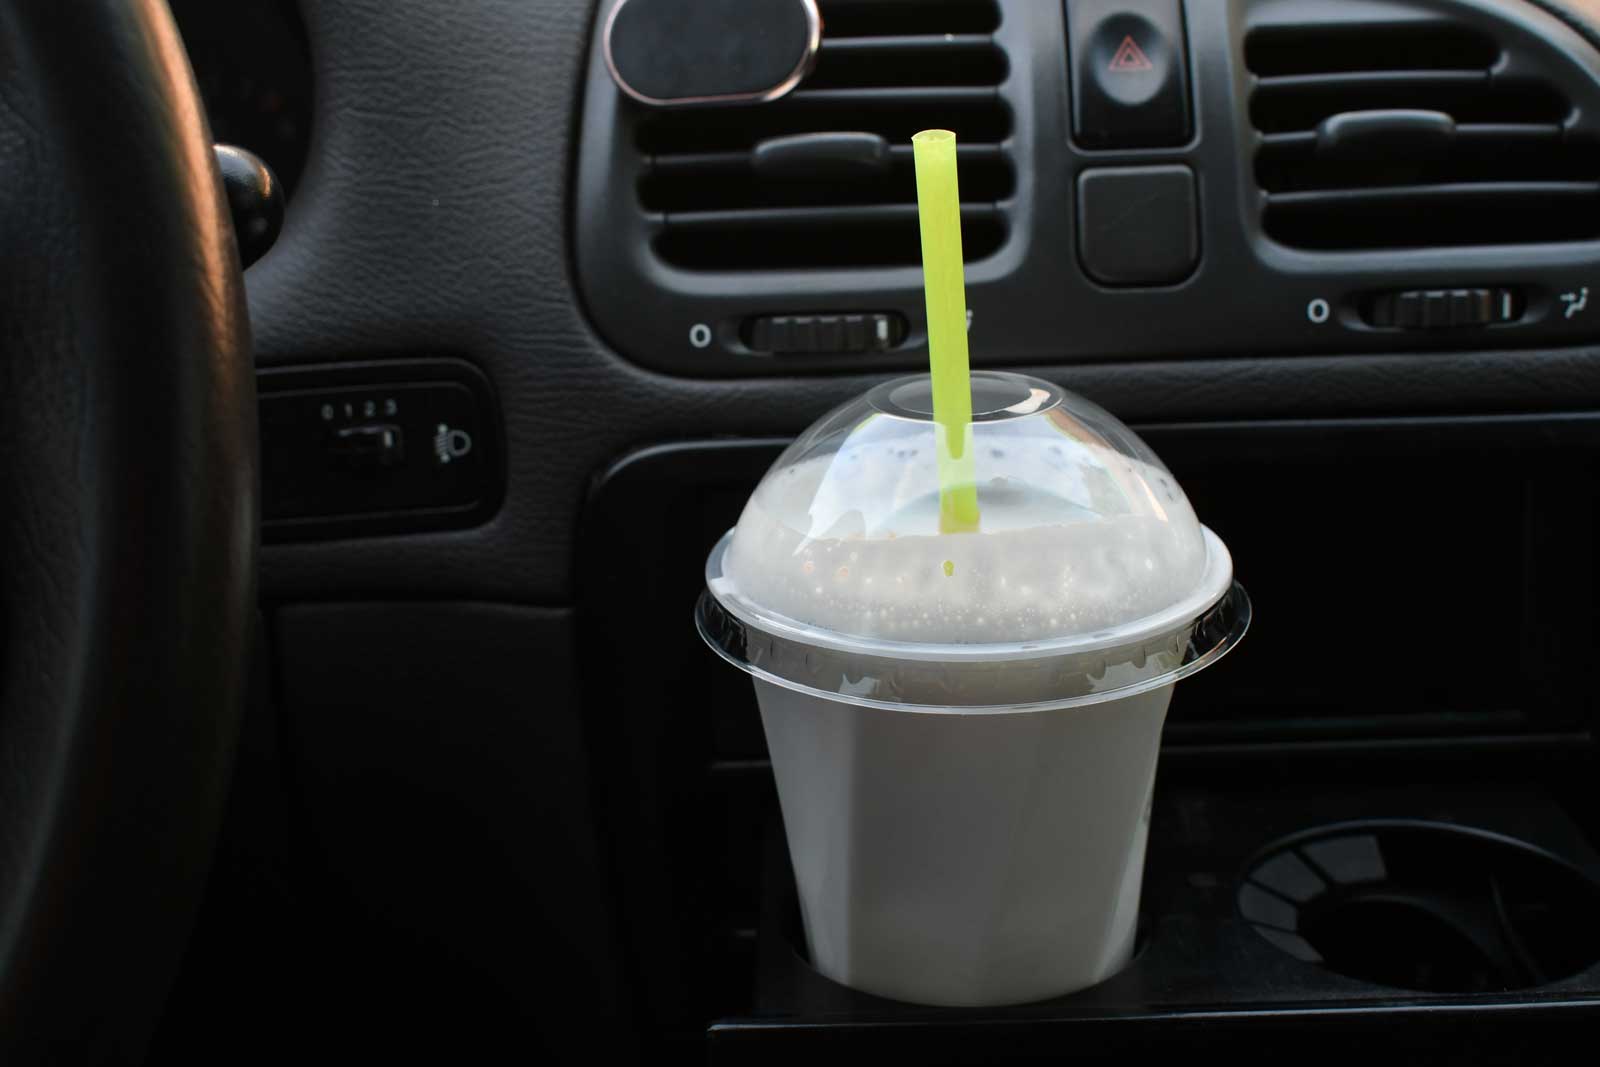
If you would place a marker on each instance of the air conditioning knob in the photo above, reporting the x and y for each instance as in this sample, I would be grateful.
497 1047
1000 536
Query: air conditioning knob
673 53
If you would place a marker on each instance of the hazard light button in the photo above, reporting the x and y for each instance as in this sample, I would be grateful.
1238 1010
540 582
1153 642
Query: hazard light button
1130 73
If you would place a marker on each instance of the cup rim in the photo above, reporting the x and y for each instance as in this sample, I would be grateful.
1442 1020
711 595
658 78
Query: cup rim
1229 618
1199 629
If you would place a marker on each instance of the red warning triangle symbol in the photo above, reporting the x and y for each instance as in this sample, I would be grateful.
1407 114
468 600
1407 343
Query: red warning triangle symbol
1130 57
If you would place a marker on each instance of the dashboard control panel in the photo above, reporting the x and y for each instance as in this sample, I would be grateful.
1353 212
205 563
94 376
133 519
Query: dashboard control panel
1140 180
370 448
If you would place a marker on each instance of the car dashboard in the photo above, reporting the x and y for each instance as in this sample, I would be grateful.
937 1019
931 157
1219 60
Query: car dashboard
527 343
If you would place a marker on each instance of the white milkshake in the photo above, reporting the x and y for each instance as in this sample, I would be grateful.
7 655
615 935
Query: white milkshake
1041 565
964 727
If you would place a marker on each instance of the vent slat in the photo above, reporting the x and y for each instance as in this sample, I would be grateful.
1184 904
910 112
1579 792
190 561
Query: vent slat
1296 139
1436 217
798 217
1281 105
886 68
727 180
881 18
1508 174
1433 44
931 59
808 238
1468 135
1370 80
1421 197
944 45
1496 132
976 120
895 96
724 162
1291 162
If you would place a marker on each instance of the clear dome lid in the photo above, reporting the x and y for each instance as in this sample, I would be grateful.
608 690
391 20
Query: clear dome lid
1086 560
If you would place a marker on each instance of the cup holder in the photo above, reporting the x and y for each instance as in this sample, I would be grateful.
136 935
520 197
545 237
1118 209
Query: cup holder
1424 906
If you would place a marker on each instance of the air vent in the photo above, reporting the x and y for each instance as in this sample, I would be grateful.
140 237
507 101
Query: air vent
1412 137
746 188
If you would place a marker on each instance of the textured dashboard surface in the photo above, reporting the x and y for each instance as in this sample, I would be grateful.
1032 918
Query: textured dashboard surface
434 221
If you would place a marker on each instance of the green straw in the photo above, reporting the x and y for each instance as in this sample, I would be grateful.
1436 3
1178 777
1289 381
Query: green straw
939 211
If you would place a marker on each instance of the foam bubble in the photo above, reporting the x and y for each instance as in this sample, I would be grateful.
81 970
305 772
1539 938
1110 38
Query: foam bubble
1108 540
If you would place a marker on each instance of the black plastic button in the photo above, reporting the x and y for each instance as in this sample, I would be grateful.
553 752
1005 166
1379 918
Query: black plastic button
1470 307
832 334
1435 309
349 451
1408 311
1130 77
371 447
857 337
1138 225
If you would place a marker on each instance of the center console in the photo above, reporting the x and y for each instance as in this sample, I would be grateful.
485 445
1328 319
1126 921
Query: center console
1374 827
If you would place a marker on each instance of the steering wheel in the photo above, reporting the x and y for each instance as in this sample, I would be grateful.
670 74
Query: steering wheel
128 516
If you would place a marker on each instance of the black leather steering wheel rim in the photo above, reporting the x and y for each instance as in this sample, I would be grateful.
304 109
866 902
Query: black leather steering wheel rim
128 514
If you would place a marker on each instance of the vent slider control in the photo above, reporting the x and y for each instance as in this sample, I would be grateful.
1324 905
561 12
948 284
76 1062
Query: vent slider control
845 333
1432 309
1368 134
821 155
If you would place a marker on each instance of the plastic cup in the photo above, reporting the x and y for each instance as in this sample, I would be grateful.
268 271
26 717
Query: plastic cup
964 727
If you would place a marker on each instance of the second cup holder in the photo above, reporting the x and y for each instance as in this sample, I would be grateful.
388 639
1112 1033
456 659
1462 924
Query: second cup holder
1425 906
